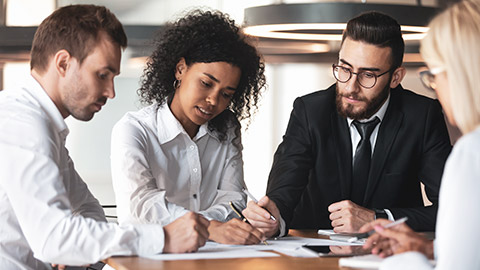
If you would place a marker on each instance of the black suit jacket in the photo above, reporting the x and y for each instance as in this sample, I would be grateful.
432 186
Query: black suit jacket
312 167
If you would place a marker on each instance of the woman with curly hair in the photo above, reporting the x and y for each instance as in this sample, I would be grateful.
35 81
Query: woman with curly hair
183 152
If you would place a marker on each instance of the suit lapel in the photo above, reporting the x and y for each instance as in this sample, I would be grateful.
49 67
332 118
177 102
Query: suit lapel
343 149
386 135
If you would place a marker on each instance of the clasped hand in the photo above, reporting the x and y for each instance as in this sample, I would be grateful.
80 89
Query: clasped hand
348 217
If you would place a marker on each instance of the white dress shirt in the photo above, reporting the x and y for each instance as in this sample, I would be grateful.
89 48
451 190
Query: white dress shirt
48 214
159 172
457 234
355 136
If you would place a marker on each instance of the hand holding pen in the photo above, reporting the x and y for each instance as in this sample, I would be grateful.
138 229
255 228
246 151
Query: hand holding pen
395 237
234 232
256 201
241 216
364 235
264 215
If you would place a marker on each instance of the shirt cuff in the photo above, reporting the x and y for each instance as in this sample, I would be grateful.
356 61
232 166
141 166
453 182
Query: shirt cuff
390 215
217 212
283 227
151 239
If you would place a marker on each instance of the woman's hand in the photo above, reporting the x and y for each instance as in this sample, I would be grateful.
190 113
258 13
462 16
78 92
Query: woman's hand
234 232
395 240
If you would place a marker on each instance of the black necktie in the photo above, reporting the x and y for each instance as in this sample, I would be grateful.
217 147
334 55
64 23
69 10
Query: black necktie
361 161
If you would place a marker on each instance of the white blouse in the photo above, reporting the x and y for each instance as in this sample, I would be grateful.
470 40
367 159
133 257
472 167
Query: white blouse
159 173
457 233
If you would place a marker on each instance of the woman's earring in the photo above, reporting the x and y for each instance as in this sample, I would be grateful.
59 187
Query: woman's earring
176 84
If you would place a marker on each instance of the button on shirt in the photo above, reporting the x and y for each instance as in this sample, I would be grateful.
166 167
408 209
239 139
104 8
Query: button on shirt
48 214
159 173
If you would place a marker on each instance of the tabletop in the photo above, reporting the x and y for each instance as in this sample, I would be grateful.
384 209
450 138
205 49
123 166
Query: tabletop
282 262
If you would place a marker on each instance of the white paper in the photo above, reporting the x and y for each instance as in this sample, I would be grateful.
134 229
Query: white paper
290 245
213 250
366 261
326 232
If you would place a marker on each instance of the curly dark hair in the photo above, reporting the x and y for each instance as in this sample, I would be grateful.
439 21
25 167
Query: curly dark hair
205 37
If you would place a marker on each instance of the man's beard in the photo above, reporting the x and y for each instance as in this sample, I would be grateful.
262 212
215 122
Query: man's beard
371 108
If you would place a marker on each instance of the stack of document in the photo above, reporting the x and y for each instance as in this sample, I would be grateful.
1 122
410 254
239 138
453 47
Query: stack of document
290 245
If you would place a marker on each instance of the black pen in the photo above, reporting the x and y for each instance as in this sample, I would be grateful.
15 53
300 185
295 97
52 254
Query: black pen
256 201
239 213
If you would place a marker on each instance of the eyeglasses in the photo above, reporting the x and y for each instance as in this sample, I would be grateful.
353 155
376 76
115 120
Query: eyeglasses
428 77
365 78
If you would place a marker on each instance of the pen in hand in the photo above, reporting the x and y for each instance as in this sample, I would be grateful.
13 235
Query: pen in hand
367 234
239 214
256 201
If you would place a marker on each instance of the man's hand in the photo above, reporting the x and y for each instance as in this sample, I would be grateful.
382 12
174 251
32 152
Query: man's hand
395 240
347 250
234 232
260 218
348 217
186 234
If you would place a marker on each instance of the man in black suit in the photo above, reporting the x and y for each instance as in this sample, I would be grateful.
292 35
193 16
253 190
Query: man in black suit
358 150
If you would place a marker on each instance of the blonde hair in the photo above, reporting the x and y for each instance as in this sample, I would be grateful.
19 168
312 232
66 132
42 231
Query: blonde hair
453 43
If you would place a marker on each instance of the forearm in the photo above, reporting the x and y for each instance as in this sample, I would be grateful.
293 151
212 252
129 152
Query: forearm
87 241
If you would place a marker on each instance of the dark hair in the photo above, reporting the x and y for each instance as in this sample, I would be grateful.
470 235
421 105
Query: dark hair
205 37
74 28
378 29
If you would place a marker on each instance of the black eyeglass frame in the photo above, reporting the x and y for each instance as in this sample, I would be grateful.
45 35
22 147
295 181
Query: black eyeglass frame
334 66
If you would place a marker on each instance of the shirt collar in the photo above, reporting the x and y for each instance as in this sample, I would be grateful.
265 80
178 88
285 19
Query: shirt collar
37 91
168 127
380 113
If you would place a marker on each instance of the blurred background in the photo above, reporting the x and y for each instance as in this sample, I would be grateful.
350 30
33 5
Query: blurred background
294 66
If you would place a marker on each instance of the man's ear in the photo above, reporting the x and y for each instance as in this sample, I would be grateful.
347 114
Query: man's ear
180 69
62 61
397 76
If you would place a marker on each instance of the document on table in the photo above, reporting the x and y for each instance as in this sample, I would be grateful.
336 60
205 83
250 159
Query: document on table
366 261
342 237
370 261
326 232
290 245
213 250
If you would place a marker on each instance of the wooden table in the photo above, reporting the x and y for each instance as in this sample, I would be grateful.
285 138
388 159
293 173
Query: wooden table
270 263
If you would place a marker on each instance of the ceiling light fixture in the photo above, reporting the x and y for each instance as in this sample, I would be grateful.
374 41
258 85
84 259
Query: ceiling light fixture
325 21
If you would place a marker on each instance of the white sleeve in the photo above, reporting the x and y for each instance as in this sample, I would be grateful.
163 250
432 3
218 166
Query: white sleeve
282 228
38 196
82 200
458 218
230 188
457 234
407 260
138 198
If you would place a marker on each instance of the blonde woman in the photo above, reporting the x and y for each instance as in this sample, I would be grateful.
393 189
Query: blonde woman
450 50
